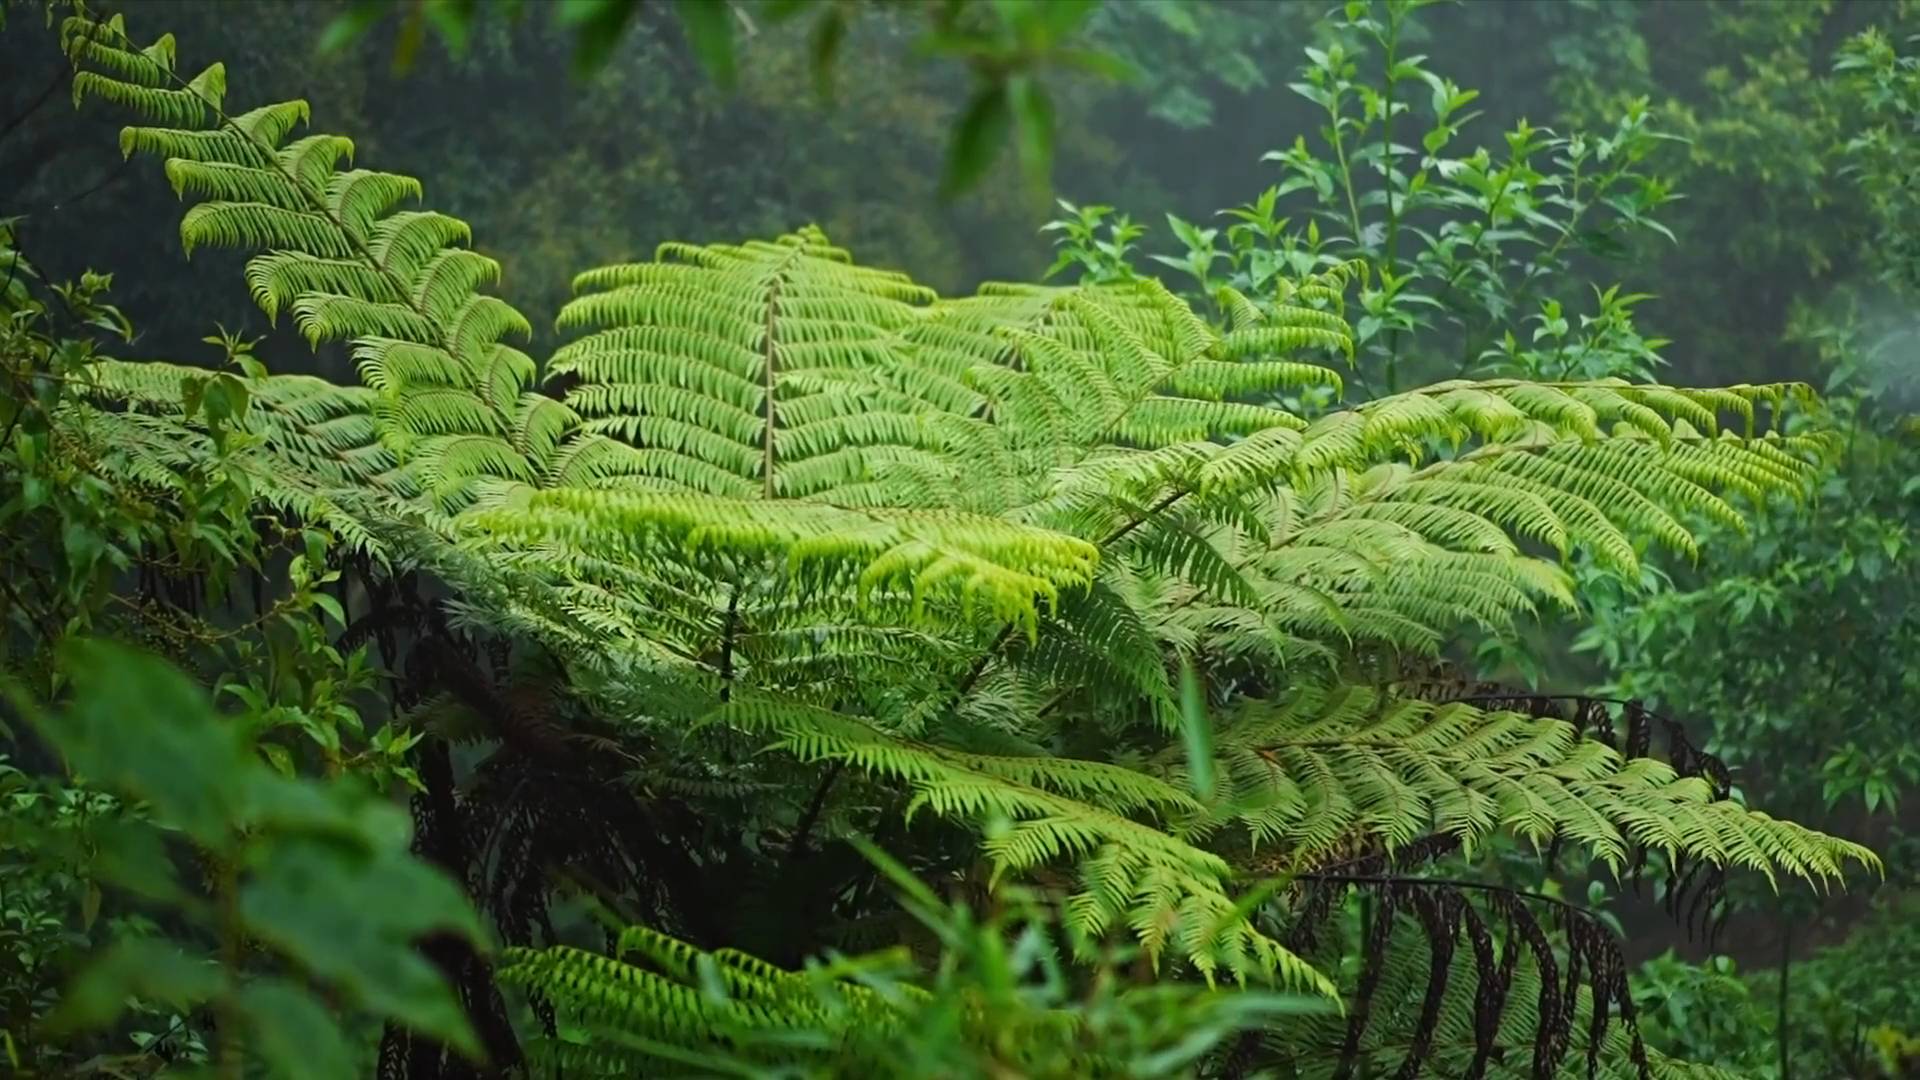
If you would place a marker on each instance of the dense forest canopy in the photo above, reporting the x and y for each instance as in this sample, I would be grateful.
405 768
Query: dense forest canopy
980 537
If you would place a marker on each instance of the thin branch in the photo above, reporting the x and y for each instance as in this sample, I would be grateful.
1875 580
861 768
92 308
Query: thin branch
42 620
727 635
1580 910
814 808
64 75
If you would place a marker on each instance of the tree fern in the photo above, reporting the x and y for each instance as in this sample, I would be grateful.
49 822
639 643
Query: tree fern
954 549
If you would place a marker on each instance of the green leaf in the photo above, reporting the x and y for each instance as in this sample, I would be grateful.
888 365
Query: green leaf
1198 730
824 48
976 140
351 917
597 25
1033 128
330 606
294 1033
152 969
454 21
413 30
350 25
140 727
709 26
132 855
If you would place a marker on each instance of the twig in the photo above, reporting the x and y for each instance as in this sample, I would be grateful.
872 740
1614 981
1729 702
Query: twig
812 814
65 74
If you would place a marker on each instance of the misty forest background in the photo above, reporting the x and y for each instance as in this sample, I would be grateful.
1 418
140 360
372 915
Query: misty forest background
569 173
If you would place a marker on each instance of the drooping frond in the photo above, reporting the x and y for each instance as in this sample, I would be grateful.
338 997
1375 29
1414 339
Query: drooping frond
1011 569
324 431
337 253
1172 895
1324 767
161 454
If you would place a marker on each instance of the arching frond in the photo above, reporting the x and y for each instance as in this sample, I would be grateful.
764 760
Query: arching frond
338 252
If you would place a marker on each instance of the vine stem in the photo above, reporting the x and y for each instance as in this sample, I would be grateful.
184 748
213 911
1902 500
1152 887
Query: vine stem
1780 1024
60 77
1390 260
1340 158
227 1012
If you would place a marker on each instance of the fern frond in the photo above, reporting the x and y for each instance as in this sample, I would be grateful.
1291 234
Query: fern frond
1057 810
339 253
1328 765
1010 569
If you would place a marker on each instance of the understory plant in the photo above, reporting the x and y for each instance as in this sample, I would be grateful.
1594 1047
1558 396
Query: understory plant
1482 249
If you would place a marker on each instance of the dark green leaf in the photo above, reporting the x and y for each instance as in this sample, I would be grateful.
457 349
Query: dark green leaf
351 917
1033 126
709 26
349 26
140 727
1198 731
824 49
597 25
149 968
132 855
294 1033
976 140
454 21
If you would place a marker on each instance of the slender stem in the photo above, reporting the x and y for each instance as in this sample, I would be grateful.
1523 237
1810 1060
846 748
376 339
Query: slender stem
230 1062
1468 352
727 635
1786 967
812 815
767 360
1390 262
979 667
42 621
1340 158
1540 265
1152 512
61 76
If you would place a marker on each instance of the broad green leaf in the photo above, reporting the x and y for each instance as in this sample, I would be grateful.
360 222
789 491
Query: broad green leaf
352 917
1033 126
295 1034
1198 730
152 969
132 855
350 25
138 726
977 140
597 25
709 26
